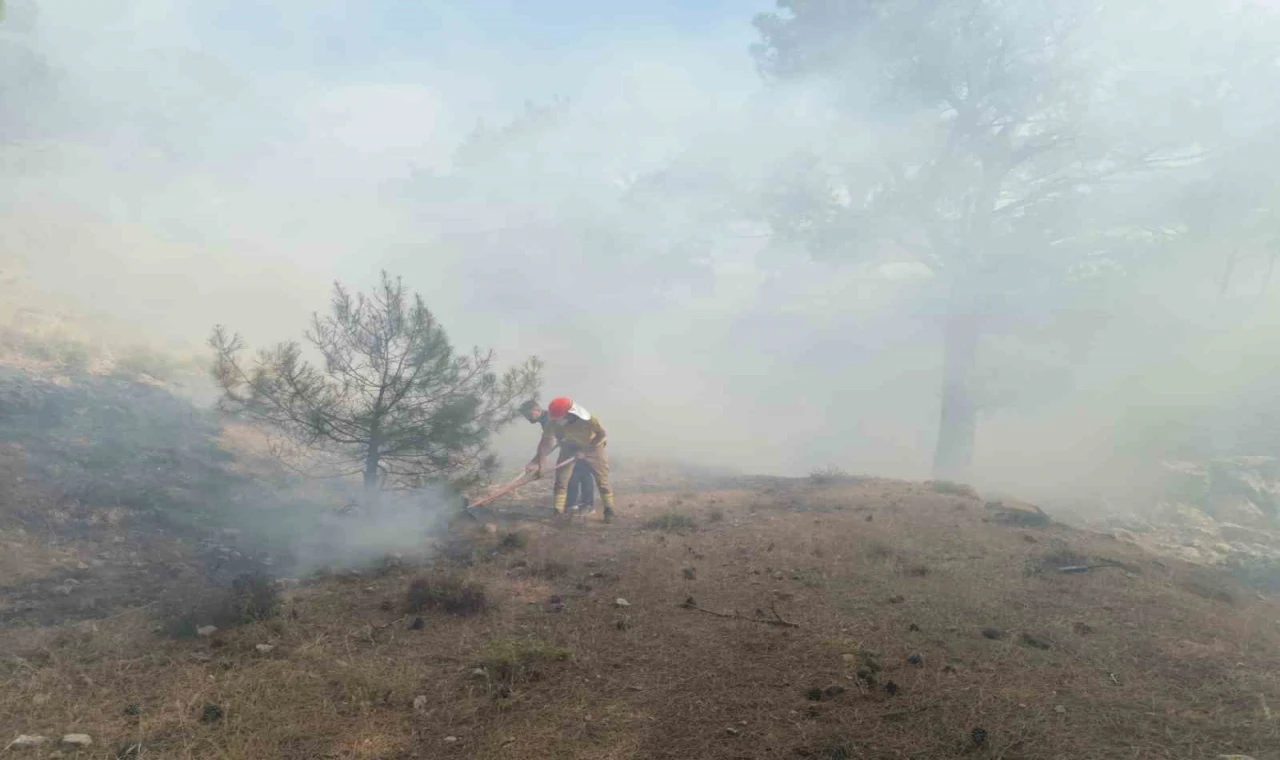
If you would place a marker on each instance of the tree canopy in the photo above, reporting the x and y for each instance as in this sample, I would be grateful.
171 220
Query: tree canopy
391 400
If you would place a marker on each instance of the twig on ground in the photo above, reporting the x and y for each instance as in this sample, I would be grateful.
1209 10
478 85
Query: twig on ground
777 620
911 711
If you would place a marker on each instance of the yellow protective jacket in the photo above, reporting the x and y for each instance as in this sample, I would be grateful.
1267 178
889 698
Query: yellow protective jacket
573 433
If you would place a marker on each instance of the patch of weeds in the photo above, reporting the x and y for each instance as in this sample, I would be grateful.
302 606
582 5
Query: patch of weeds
511 662
1035 642
716 515
514 541
880 550
671 522
809 577
252 597
831 475
548 569
838 749
949 488
143 361
1256 572
1209 585
446 593
1018 516
1060 555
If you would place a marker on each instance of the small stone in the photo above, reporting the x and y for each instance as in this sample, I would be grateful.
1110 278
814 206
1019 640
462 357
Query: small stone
420 703
1059 709
206 630
833 691
732 731
418 624
451 739
40 699
77 740
27 742
620 602
993 633
264 648
849 659
479 673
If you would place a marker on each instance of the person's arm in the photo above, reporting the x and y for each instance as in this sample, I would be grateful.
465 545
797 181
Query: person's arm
598 435
545 445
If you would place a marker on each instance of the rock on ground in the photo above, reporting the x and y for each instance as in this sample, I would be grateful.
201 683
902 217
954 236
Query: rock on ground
77 740
27 742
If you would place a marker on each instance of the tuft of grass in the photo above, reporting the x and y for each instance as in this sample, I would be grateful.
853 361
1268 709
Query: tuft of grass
514 541
671 522
251 598
831 475
511 662
716 515
446 593
880 550
548 569
949 488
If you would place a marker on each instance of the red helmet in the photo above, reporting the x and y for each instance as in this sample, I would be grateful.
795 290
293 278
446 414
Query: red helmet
559 407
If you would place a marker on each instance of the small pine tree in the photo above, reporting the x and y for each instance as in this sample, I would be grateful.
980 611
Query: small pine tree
391 401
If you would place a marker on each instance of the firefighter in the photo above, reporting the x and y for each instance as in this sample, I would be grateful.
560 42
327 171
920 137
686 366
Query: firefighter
581 437
582 483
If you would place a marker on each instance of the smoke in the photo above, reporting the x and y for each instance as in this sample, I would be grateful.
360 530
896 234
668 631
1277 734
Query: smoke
593 190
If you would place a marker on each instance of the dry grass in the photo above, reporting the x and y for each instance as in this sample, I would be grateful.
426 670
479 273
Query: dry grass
1137 664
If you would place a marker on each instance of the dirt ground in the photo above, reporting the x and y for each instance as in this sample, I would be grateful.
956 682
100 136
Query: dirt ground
874 619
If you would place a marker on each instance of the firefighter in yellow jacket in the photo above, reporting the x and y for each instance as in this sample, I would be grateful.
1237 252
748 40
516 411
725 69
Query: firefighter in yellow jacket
581 437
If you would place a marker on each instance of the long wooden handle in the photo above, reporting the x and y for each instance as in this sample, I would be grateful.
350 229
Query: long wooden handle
522 480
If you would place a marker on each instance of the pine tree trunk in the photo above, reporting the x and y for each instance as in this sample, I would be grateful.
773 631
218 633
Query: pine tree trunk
959 421
371 459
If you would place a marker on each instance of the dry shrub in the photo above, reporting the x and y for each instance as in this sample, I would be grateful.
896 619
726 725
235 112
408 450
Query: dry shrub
252 597
445 593
715 515
548 569
828 476
954 489
514 541
671 522
510 662
1210 585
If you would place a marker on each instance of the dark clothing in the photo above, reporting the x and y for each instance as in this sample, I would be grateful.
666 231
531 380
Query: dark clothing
582 486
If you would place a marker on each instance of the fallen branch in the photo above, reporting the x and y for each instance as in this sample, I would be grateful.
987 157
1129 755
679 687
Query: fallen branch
905 713
777 620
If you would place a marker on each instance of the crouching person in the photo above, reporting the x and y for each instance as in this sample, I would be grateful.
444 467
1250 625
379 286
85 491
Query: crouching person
581 437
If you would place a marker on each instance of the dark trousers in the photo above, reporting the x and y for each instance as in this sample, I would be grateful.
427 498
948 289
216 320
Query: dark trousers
582 486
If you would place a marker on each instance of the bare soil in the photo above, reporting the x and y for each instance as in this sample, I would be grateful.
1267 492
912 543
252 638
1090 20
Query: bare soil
841 621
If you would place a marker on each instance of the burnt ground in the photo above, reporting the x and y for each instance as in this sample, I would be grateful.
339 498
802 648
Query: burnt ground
869 619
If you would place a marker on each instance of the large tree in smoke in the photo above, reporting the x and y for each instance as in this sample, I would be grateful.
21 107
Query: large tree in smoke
988 141
391 402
